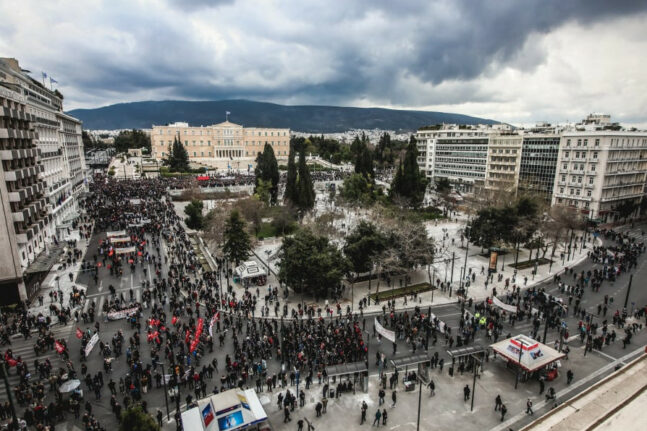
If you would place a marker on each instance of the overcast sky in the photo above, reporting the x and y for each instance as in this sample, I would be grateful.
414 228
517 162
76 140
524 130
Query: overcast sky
514 61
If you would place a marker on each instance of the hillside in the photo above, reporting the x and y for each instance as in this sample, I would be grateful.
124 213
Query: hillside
315 119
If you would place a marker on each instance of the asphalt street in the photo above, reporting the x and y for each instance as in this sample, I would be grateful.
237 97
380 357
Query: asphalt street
132 281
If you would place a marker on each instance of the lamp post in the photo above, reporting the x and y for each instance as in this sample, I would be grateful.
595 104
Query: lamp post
168 414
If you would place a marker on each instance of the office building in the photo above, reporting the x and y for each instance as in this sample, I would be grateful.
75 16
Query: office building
221 145
600 171
458 153
539 153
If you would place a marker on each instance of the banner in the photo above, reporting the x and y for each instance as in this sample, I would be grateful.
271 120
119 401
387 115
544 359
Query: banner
213 321
121 314
79 333
207 414
507 307
493 261
91 343
116 233
389 335
125 250
116 240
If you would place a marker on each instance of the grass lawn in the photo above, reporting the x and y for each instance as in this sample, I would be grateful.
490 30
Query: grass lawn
389 293
266 231
530 263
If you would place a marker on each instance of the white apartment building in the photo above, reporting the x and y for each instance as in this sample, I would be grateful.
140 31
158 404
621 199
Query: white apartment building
24 217
503 161
458 153
58 137
597 170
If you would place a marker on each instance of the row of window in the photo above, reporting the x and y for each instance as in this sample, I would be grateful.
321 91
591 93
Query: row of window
228 153
229 142
226 132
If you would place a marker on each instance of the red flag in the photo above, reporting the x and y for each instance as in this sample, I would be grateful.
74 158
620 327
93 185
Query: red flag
98 264
59 347
173 320
79 333
111 252
12 362
139 253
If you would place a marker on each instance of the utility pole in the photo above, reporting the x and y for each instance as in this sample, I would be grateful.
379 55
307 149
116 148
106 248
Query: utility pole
451 280
475 365
631 277
168 414
467 247
419 397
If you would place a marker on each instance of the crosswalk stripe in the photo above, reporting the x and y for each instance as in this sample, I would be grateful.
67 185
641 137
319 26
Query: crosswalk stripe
99 310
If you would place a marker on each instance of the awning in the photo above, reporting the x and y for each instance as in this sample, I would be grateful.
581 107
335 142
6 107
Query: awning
226 411
346 369
250 269
534 355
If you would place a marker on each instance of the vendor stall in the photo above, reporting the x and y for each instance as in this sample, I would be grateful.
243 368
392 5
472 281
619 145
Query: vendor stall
250 273
227 411
531 356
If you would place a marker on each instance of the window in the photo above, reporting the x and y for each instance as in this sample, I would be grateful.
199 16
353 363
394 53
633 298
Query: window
194 154
592 168
186 143
597 142
577 192
579 142
572 191
561 189
586 142
588 193
565 166
566 153
590 180
595 154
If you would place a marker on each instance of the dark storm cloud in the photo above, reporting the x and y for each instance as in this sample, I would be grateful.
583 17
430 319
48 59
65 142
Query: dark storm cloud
380 51
487 32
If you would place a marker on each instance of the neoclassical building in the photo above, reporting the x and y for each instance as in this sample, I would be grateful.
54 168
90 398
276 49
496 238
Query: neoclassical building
221 145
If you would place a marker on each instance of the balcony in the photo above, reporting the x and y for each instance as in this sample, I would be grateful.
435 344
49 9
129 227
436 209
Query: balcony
18 154
17 134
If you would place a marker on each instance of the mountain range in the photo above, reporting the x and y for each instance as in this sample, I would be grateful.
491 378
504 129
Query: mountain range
305 118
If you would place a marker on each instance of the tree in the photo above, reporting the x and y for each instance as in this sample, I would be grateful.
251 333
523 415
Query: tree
408 181
305 187
252 210
291 194
237 243
135 419
443 186
310 264
178 157
357 189
283 220
263 191
195 220
267 169
362 245
214 226
128 139
363 159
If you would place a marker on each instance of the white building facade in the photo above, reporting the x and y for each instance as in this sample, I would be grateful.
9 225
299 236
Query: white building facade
597 171
59 139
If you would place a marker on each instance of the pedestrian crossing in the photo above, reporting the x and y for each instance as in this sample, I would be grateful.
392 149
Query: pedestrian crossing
25 350
104 297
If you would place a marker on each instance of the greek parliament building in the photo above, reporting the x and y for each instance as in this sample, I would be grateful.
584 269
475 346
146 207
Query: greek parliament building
594 166
224 145
42 176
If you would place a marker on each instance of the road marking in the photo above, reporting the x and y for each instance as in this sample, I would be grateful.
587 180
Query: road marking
100 287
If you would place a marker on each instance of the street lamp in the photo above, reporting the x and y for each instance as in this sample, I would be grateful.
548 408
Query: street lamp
168 414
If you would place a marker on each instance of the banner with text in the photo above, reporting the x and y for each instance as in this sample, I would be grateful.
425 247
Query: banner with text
91 343
388 334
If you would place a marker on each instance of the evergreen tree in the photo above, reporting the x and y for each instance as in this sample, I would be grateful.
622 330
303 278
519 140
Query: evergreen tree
237 243
305 187
195 220
291 194
409 182
135 419
267 170
178 158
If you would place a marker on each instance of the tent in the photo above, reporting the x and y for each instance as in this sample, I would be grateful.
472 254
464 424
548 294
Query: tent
534 355
227 411
249 272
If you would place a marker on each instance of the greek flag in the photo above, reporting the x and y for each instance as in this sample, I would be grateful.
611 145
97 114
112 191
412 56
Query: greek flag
44 75
52 80
228 113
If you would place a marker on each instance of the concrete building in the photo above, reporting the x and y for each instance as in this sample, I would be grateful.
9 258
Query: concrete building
24 217
503 161
598 170
458 153
58 137
539 153
223 145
